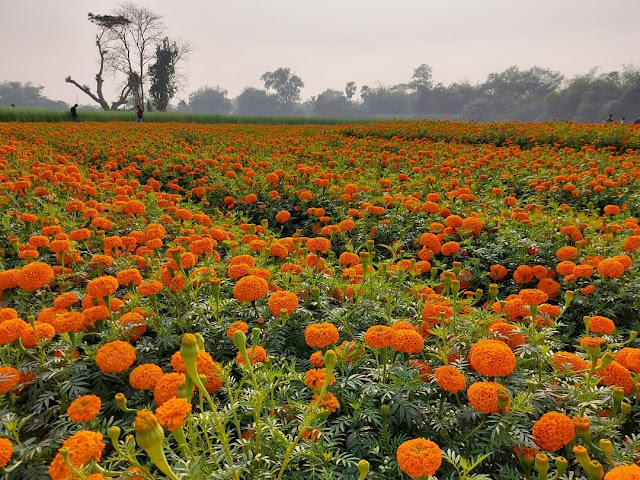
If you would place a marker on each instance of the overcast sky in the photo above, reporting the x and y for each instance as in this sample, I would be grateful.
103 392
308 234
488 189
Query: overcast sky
329 42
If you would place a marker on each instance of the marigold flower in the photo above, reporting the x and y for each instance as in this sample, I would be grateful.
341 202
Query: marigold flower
492 358
568 361
145 376
610 268
44 331
282 300
407 341
167 387
553 431
532 296
172 413
11 330
237 326
250 288
84 408
102 286
150 288
68 322
615 375
35 275
598 324
567 253
255 354
6 451
497 272
629 358
450 379
115 357
82 447
9 378
510 334
129 277
624 472
314 378
450 248
65 300
321 335
328 402
378 336
483 397
419 457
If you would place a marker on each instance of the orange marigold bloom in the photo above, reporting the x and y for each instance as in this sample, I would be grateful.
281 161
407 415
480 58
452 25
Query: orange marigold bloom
9 378
65 300
615 375
567 253
84 408
591 341
624 472
327 402
378 336
82 446
598 324
150 288
450 379
115 357
205 365
321 335
497 272
283 216
318 244
250 288
68 322
282 300
532 296
419 457
629 358
510 333
129 277
314 379
553 431
102 286
6 451
492 358
9 279
237 326
255 354
167 387
407 341
145 376
35 275
483 397
523 274
568 361
610 268
45 332
450 248
632 243
172 413
317 359
80 234
11 330
95 314
549 286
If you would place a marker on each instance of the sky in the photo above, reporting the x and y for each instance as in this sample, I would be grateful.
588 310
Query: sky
329 42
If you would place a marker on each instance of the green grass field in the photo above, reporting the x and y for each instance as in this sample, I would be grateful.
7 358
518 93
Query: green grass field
38 115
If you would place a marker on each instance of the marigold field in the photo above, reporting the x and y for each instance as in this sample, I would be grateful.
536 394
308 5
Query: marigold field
383 301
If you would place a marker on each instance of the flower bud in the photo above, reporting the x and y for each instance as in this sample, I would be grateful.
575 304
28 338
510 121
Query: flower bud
479 293
607 358
457 266
561 465
618 394
542 465
625 408
568 297
330 360
150 437
595 470
315 293
503 401
632 335
189 347
582 456
455 287
384 411
239 340
493 291
363 468
606 446
114 434
121 402
200 341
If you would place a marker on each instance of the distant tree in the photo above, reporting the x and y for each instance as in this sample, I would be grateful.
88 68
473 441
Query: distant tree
210 100
163 74
27 95
387 101
422 78
364 91
332 103
285 84
350 90
253 101
106 23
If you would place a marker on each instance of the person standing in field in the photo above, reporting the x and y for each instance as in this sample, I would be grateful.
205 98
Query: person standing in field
74 113
140 113
623 120
609 118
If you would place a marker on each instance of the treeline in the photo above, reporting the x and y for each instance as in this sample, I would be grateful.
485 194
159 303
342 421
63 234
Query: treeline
535 94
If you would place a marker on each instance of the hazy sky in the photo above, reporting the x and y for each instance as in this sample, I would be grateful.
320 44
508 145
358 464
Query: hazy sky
329 42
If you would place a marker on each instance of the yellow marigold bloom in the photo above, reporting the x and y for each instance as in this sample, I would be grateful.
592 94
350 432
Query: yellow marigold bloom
419 457
321 335
115 357
492 358
172 413
553 431
84 408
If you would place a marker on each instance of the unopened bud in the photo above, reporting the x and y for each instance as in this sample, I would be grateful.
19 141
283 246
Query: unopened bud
363 468
568 297
493 291
561 465
239 339
330 359
384 411
542 465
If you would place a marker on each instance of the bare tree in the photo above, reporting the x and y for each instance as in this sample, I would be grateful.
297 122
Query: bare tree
106 23
134 44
